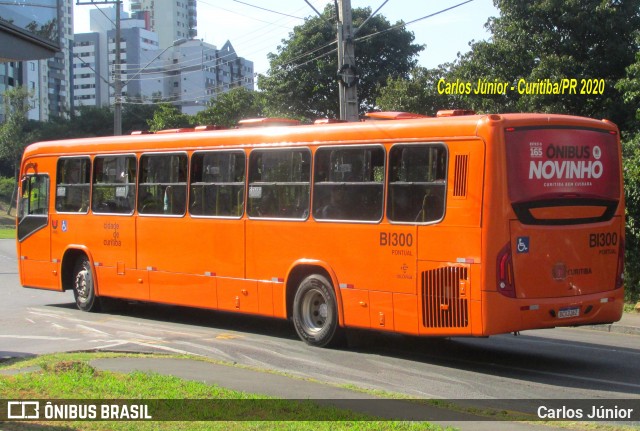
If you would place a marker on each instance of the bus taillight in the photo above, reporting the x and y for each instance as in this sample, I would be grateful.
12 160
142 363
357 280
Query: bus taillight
504 272
620 270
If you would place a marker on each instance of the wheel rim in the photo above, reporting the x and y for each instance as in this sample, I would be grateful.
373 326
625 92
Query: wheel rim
83 285
314 311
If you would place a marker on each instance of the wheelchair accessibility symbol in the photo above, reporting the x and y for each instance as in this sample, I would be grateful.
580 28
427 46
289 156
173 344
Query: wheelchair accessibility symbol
523 244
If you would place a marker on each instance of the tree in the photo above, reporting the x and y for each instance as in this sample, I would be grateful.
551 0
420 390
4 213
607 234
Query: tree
301 80
545 40
137 116
13 136
631 167
168 116
629 86
417 94
93 121
230 107
555 39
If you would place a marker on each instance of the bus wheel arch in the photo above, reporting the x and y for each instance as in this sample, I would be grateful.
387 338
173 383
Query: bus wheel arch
78 275
314 305
301 270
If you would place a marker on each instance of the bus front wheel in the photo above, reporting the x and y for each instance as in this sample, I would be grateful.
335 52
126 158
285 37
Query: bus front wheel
315 312
84 289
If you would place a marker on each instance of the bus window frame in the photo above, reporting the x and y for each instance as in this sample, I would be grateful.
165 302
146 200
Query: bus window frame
446 183
139 184
90 184
244 184
383 182
28 223
135 183
307 212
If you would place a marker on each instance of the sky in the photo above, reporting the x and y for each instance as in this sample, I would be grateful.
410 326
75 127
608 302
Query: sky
254 32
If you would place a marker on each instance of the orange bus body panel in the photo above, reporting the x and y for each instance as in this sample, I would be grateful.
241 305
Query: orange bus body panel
436 277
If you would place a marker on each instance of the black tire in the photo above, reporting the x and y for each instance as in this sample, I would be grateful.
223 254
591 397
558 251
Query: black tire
315 312
84 288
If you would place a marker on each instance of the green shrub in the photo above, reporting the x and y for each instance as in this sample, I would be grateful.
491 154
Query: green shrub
631 166
6 188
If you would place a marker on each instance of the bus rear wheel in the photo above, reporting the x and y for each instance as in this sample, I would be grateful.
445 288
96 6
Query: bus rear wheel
315 312
84 289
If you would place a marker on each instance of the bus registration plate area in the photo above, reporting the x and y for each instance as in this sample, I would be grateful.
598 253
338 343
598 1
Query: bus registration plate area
564 313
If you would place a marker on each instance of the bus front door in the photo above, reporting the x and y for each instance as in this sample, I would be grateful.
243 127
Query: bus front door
34 234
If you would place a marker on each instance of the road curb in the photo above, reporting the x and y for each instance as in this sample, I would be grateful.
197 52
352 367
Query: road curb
620 329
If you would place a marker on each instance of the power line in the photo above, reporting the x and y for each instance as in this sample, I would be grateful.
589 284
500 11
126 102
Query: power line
285 65
180 98
412 21
243 15
289 66
268 10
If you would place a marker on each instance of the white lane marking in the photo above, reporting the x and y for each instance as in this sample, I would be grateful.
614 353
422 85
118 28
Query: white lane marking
209 349
134 335
38 337
167 348
90 329
109 345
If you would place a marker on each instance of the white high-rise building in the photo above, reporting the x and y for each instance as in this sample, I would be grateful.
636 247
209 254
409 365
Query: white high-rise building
172 20
187 73
48 80
53 98
94 57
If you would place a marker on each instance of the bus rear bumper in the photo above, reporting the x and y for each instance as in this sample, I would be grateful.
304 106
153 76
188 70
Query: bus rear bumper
502 314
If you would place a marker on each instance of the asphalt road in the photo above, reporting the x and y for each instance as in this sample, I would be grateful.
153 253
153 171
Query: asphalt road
557 363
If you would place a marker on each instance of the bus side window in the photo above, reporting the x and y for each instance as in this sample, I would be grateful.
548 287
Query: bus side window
163 184
114 184
417 183
73 184
349 183
217 184
279 183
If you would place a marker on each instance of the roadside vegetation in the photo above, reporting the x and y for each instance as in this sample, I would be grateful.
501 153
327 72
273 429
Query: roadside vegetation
7 217
71 376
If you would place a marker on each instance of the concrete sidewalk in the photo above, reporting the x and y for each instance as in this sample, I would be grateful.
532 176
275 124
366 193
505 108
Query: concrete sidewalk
629 324
276 385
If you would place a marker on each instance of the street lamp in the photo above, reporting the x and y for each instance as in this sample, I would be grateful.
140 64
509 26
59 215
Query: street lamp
119 85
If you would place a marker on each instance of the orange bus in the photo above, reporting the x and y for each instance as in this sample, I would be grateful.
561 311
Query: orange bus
456 225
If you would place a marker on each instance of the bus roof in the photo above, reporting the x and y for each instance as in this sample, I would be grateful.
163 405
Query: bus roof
401 130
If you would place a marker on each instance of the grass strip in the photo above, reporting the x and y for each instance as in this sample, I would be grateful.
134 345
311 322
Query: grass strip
7 232
60 377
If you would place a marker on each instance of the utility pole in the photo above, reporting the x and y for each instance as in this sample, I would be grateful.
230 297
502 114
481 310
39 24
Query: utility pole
347 73
117 79
117 76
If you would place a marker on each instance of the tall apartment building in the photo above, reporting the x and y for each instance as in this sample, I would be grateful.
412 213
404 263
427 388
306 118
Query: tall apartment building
195 72
10 77
188 74
171 19
94 58
49 79
232 70
136 44
54 92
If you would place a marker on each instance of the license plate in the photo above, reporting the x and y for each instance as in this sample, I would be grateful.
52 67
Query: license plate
568 312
